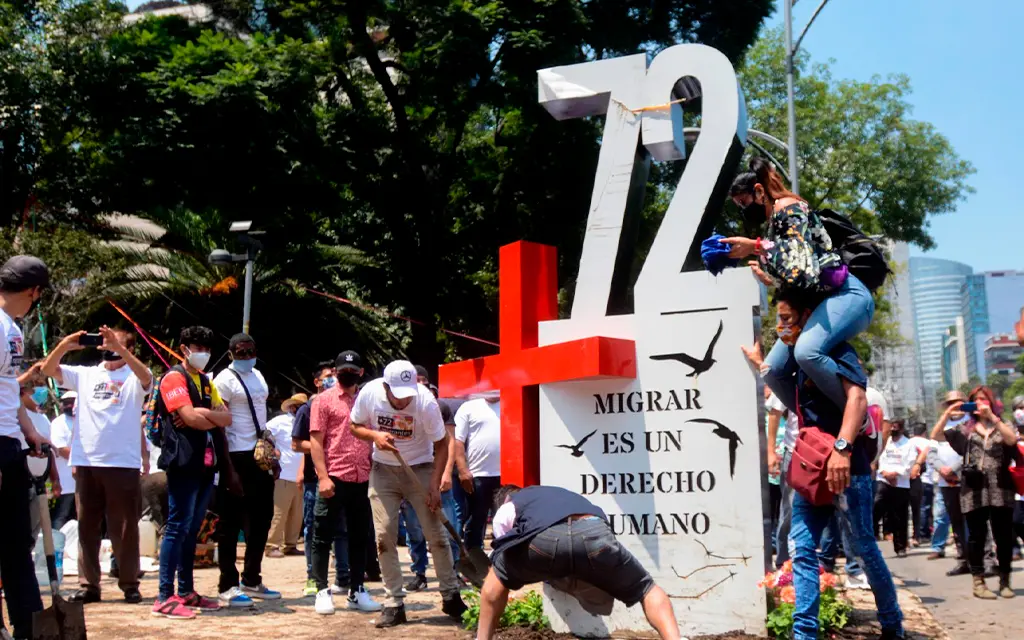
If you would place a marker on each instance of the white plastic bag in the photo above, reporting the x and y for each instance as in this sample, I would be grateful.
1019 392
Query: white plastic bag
42 573
70 531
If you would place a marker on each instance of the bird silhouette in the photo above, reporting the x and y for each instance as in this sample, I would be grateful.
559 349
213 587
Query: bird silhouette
575 448
724 433
698 366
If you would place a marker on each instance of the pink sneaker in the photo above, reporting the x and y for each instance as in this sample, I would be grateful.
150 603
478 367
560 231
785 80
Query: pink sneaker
196 601
174 608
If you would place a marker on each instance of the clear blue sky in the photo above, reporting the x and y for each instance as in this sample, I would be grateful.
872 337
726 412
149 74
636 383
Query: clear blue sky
964 61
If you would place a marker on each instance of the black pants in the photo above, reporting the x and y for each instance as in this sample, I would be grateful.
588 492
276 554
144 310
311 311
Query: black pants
351 499
775 500
256 508
951 497
63 511
1001 519
893 504
19 575
479 503
1018 520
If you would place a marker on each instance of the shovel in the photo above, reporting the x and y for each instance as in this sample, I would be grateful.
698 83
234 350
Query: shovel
473 564
63 620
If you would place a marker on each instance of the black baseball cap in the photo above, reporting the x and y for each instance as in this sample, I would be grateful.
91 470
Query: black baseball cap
24 272
348 360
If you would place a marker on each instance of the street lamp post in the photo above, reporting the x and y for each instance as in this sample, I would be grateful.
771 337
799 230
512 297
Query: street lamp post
252 248
791 49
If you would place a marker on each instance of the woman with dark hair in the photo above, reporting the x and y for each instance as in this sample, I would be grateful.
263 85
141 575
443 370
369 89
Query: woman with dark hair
987 445
796 253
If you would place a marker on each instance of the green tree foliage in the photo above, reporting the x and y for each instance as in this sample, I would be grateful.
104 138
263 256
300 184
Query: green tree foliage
998 383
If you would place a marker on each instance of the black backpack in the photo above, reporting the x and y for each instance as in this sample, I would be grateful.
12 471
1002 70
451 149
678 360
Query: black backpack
862 255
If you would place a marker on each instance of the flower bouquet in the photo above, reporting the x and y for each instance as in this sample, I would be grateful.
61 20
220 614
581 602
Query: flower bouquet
832 616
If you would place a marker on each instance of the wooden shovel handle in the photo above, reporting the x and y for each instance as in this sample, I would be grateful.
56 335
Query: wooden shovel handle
418 488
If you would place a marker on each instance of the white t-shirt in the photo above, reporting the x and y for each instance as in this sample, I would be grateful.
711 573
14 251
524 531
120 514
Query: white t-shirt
945 456
107 431
281 428
478 426
12 347
920 443
792 422
415 428
504 519
36 466
899 456
61 430
242 432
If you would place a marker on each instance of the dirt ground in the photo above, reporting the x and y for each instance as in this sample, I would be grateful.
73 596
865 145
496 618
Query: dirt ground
293 617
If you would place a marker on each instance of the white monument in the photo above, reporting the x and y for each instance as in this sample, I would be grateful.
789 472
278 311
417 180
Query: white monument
674 457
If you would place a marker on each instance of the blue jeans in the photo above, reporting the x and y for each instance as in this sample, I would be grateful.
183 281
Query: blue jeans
830 547
188 494
414 533
341 570
841 316
809 521
783 543
940 531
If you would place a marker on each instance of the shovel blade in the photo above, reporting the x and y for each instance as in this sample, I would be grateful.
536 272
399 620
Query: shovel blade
62 621
474 565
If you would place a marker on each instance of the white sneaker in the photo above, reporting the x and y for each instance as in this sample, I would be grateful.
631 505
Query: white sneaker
338 591
361 600
325 603
859 581
235 599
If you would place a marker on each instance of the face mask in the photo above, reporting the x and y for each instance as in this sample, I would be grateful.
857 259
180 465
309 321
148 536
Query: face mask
328 382
39 395
753 214
199 359
348 378
1018 417
243 366
788 334
110 356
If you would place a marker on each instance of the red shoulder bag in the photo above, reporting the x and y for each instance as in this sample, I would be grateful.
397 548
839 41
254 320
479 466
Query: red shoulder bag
808 469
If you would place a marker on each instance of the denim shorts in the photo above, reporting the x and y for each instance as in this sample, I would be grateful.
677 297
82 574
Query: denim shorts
583 549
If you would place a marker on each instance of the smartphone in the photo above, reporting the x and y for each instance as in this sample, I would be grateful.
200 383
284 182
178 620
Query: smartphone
969 407
90 340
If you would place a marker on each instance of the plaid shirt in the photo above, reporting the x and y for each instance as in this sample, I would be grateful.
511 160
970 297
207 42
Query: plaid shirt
347 457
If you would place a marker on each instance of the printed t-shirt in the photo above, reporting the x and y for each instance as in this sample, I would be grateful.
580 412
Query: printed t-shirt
281 428
12 347
478 426
174 392
107 431
346 456
921 443
415 428
241 433
899 456
819 411
60 436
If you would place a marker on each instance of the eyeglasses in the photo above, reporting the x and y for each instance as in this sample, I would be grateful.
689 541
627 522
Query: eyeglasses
244 354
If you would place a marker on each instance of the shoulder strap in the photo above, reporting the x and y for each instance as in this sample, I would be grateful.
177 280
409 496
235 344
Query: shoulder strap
252 407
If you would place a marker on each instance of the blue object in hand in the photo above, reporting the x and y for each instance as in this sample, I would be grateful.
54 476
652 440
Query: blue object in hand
715 254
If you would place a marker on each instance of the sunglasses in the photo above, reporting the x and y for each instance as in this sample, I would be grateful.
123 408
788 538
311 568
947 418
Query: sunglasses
244 353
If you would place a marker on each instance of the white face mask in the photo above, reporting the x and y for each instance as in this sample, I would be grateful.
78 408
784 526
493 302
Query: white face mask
199 359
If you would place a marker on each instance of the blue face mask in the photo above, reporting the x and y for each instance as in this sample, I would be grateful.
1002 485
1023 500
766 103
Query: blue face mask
40 394
328 382
243 366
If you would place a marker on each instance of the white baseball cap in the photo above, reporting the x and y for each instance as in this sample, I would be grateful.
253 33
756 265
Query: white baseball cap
69 395
400 376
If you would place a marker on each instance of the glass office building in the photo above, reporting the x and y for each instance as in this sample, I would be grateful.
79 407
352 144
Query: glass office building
935 293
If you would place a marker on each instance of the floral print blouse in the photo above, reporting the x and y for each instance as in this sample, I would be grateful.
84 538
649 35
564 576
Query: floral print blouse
797 249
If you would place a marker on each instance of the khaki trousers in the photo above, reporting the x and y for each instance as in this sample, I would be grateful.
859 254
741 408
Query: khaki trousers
389 485
287 522
116 493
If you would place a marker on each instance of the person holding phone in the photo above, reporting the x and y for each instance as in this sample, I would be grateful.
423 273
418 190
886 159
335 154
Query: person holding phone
987 445
107 450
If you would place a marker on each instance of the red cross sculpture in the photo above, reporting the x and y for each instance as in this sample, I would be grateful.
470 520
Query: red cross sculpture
528 295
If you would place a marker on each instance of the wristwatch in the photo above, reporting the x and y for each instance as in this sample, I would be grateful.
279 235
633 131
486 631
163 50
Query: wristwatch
841 445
